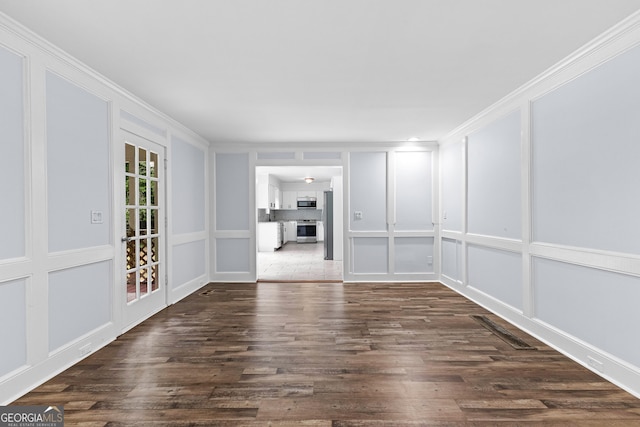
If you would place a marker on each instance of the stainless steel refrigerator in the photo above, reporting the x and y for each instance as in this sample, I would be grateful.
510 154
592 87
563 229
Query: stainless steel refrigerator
327 220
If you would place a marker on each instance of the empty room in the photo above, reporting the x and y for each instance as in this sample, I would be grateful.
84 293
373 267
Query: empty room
320 212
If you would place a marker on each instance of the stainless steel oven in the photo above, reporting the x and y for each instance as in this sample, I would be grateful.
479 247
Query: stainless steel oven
307 231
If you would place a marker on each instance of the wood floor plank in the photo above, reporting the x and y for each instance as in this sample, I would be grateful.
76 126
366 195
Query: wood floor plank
329 354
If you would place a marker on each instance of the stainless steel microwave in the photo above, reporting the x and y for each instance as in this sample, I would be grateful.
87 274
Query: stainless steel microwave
307 203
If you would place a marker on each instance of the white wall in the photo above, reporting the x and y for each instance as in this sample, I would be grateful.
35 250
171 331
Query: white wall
585 166
542 213
189 215
78 166
493 169
233 238
62 294
389 221
12 166
393 186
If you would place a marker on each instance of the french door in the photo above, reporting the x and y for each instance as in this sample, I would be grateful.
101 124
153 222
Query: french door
144 231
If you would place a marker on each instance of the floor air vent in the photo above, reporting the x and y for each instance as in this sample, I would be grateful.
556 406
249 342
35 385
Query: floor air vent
207 292
502 333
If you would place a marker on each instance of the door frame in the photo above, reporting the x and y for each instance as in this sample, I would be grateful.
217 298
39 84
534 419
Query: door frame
257 166
133 133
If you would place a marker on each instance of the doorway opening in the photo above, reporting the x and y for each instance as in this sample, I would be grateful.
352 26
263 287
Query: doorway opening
298 238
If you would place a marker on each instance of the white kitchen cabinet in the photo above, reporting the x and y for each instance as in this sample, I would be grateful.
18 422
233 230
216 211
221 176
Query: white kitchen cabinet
306 194
269 236
290 231
289 200
272 196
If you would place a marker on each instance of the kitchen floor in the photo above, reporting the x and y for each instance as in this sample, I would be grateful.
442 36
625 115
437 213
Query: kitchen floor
298 262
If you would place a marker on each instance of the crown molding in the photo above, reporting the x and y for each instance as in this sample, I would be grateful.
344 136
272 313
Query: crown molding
45 47
612 42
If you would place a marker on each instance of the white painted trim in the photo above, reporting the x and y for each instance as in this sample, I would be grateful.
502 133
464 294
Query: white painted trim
187 288
16 268
180 239
34 375
78 257
603 260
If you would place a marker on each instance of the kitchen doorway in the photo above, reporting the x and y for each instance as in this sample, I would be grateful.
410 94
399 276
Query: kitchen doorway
291 223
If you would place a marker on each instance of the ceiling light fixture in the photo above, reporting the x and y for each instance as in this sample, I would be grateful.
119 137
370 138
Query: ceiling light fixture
308 180
413 139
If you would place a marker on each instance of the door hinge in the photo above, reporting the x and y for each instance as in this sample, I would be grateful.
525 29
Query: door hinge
166 161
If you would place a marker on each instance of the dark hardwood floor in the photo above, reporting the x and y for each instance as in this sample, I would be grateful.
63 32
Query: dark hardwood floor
330 354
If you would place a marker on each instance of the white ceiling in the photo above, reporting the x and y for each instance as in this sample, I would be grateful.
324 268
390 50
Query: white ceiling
320 70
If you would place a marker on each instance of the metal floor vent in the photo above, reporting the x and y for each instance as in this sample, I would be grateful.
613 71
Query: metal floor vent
502 333
207 292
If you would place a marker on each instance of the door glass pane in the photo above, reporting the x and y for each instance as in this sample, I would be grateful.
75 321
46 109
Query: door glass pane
142 201
143 222
142 161
143 252
131 286
130 190
153 165
154 249
131 255
144 281
155 284
130 222
129 158
153 192
153 223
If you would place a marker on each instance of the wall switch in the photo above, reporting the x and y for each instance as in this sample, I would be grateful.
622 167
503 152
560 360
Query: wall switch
357 215
96 217
430 260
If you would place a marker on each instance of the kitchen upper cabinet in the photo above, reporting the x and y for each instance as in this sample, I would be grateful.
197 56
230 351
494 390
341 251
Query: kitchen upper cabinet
289 200
273 197
306 194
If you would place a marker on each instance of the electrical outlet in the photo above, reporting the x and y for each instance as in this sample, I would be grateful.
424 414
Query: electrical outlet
357 215
85 349
430 260
595 364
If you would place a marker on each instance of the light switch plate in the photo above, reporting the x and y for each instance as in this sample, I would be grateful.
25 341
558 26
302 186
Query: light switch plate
96 217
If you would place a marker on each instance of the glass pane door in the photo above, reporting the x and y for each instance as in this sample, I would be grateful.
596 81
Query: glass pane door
143 213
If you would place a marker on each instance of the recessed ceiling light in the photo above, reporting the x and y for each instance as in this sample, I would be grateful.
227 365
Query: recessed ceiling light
413 139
